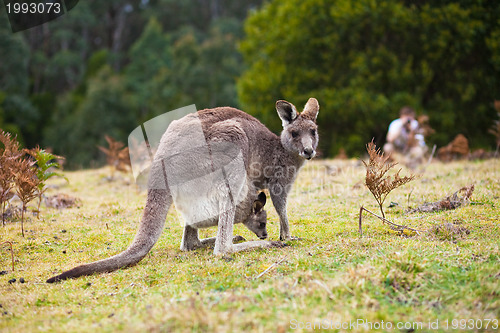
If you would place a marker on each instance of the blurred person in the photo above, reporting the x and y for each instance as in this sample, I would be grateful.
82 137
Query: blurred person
405 138
403 133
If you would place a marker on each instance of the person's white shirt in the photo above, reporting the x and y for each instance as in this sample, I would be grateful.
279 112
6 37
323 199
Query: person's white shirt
398 133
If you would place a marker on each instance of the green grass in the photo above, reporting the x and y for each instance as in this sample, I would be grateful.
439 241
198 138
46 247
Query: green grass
331 275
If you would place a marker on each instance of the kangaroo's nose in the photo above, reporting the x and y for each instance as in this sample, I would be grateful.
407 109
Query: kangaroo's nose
264 236
308 152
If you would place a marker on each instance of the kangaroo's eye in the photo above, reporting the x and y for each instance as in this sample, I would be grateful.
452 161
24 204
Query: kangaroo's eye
313 132
262 225
295 134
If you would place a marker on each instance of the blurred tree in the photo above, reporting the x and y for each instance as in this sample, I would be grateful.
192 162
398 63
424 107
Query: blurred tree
198 14
104 109
222 63
196 68
17 114
149 58
142 58
364 60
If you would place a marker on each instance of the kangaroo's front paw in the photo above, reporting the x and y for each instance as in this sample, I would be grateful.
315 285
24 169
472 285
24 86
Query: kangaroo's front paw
285 238
238 238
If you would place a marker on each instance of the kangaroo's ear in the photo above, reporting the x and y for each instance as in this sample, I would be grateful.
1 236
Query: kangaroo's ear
311 109
286 111
259 203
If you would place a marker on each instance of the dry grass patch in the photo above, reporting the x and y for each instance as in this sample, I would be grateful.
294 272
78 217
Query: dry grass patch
331 274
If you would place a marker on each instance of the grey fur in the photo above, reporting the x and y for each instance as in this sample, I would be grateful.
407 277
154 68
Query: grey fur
270 161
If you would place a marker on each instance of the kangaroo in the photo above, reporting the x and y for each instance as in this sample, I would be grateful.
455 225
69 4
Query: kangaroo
234 140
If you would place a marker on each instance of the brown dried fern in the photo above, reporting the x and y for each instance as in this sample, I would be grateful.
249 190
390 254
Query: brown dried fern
27 182
9 153
378 182
116 156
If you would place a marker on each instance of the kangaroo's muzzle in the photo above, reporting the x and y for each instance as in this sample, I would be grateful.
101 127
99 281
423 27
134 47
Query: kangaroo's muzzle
308 153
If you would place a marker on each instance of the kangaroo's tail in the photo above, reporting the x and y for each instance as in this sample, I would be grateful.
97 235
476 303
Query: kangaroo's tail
150 229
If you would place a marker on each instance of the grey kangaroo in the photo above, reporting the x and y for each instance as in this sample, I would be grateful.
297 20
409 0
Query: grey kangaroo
234 139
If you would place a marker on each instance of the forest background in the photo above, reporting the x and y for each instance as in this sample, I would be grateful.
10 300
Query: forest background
105 67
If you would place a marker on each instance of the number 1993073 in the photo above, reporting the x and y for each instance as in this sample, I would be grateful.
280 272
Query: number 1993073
33 7
471 324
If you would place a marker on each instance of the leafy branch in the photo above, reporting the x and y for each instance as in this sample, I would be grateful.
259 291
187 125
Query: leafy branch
44 162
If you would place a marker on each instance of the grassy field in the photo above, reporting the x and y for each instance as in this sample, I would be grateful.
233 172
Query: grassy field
331 279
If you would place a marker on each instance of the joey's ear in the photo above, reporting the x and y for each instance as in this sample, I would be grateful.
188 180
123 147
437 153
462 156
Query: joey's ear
259 203
262 198
286 111
311 109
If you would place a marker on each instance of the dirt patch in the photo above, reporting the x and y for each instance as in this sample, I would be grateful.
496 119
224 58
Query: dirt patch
61 201
449 231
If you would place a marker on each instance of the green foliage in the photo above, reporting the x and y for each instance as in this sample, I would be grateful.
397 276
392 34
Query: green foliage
44 162
366 59
78 126
149 59
17 113
115 60
127 62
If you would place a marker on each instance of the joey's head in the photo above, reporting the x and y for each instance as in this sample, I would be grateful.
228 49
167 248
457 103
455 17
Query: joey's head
300 132
257 220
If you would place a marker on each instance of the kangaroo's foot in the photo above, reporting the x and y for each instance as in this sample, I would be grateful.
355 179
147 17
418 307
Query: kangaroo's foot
191 246
290 238
210 242
277 244
255 244
238 238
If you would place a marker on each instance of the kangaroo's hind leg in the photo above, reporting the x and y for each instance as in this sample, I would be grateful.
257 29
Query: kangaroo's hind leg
224 239
190 239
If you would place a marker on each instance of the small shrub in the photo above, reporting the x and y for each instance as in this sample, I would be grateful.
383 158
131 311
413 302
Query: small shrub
376 180
44 163
24 176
